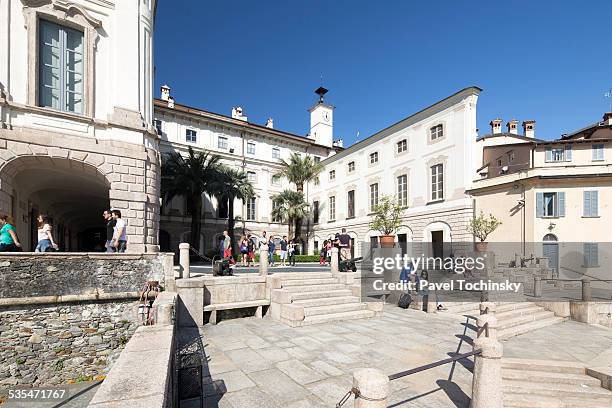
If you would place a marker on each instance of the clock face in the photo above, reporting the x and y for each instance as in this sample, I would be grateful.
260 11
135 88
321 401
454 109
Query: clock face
326 116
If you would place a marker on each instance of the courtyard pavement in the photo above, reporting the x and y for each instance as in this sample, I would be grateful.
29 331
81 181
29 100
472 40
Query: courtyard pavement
261 363
202 268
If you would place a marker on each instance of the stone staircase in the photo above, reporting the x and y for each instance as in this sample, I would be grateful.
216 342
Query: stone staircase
301 299
551 384
513 318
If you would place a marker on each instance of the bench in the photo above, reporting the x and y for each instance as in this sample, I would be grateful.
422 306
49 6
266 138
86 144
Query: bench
259 304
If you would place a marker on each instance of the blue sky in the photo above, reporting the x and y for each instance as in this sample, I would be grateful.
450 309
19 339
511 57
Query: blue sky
382 61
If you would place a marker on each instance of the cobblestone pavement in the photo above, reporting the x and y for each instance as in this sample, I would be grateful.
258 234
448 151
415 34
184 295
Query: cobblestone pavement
81 394
261 363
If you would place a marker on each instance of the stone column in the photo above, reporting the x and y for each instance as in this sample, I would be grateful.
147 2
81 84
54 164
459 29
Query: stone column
184 259
334 261
487 379
263 260
586 289
372 384
537 286
487 326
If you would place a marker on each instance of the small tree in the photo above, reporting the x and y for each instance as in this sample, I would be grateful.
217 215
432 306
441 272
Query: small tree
387 216
482 226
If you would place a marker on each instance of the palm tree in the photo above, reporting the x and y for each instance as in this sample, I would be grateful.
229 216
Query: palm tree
299 171
190 177
289 205
229 185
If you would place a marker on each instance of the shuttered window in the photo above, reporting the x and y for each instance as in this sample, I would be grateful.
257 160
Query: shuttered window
590 204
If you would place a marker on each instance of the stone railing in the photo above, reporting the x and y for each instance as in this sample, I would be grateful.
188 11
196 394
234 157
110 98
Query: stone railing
143 375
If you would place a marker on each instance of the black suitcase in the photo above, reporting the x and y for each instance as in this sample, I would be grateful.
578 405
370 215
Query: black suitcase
404 301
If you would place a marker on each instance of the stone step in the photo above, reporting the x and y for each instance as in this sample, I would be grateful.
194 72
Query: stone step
506 324
512 306
519 400
335 317
549 366
338 300
315 288
303 282
320 294
524 328
510 314
557 390
331 309
285 276
550 377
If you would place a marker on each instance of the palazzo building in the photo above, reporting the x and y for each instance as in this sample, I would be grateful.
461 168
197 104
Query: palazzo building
76 106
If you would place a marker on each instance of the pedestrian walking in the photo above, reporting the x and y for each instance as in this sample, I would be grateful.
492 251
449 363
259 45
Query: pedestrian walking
262 240
291 252
110 230
119 232
45 235
8 236
271 248
323 253
283 247
227 246
344 243
244 250
250 250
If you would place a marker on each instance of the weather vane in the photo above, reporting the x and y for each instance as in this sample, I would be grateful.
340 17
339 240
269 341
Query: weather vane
608 95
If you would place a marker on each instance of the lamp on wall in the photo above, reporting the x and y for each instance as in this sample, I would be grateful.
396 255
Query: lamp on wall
552 226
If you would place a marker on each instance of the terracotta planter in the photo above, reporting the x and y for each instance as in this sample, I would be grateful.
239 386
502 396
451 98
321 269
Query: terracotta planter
387 241
481 246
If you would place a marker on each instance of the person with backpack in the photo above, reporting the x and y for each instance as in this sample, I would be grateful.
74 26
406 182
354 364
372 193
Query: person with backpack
8 237
250 250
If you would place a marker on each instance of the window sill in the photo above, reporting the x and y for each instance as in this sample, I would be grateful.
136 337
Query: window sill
331 221
435 201
589 266
350 218
591 216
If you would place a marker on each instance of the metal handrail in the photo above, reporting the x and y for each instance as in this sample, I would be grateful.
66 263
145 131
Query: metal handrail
433 365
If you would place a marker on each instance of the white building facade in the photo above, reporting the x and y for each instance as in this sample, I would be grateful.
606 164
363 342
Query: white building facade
76 133
255 149
425 161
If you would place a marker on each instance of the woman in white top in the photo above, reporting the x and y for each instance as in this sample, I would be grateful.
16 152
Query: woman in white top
45 236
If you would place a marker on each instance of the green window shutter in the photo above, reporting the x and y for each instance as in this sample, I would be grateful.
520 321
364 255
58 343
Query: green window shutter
561 203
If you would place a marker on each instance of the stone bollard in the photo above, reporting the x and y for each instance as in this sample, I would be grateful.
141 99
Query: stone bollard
263 260
334 261
487 379
184 259
586 289
373 384
487 326
537 286
165 314
487 308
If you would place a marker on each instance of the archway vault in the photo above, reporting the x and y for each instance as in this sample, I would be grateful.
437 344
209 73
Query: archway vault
72 192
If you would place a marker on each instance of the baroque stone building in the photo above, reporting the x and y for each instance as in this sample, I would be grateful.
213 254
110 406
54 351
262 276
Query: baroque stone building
76 133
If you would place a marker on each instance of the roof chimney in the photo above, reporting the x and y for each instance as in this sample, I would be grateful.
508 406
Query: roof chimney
170 102
270 123
496 125
165 92
529 128
513 127
607 117
237 114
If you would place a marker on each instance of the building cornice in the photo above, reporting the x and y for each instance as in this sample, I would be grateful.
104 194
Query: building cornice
410 120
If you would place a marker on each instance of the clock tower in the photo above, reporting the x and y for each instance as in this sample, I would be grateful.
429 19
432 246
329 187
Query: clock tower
322 121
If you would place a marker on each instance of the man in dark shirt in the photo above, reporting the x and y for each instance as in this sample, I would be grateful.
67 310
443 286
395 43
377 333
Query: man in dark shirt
110 230
344 243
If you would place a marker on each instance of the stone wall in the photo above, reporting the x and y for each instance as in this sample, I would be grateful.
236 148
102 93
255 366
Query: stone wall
68 316
57 274
52 344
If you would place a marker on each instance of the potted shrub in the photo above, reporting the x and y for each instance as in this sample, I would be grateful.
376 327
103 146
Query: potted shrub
482 226
387 219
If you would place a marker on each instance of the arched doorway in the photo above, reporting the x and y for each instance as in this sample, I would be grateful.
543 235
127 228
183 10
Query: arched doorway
550 250
72 193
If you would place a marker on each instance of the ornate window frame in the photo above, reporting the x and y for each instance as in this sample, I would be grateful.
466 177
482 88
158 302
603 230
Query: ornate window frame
69 15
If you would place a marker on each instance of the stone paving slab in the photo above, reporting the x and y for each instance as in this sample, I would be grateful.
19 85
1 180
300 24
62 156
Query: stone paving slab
312 366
